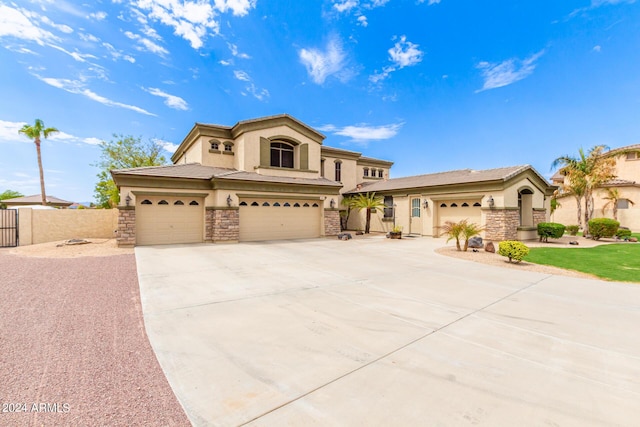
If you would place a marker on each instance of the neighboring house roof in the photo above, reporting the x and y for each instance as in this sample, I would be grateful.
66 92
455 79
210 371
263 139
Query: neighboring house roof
35 200
464 176
628 147
198 171
558 176
619 183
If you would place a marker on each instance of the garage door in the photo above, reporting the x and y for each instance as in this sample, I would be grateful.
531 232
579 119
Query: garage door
457 210
277 219
163 220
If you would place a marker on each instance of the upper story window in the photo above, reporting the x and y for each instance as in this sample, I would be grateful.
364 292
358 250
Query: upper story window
228 147
380 173
338 171
373 173
281 155
322 168
633 156
215 145
366 171
622 204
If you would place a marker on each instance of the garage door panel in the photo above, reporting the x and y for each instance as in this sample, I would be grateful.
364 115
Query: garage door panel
279 219
458 210
169 220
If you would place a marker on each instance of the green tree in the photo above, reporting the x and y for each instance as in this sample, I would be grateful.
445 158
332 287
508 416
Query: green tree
468 230
122 152
612 197
370 202
587 172
9 194
35 132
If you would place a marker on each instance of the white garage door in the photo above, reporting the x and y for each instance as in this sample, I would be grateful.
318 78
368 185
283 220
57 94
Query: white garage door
277 219
163 220
457 210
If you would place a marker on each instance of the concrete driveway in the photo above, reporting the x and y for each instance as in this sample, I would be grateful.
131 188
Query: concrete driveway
380 332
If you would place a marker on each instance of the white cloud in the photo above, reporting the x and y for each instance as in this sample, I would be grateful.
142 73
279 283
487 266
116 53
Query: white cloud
88 37
344 5
430 2
225 63
9 133
117 54
598 3
147 44
60 27
241 75
98 16
193 19
362 20
80 57
507 72
234 51
170 101
321 65
597 48
78 87
18 23
363 133
402 54
169 147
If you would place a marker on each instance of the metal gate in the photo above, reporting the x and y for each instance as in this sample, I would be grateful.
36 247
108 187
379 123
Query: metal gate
8 228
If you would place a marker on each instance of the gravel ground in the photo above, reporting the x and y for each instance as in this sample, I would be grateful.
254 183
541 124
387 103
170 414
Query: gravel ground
73 348
95 247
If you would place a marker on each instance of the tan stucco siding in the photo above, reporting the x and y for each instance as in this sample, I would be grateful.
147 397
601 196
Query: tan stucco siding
42 226
348 171
628 169
135 192
510 198
567 213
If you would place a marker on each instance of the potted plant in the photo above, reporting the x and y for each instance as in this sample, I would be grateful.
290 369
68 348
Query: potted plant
396 232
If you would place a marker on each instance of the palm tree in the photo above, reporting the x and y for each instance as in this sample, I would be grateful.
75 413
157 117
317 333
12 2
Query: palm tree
468 230
613 196
587 172
453 230
370 202
34 132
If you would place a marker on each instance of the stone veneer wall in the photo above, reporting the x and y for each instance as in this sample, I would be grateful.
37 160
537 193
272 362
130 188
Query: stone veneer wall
502 224
331 222
222 224
539 215
126 234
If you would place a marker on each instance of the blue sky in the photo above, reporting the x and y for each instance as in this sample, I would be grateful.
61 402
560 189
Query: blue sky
432 85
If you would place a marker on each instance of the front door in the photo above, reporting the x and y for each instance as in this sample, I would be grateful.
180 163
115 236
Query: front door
415 226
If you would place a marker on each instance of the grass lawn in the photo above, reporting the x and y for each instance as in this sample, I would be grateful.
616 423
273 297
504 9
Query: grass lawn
620 262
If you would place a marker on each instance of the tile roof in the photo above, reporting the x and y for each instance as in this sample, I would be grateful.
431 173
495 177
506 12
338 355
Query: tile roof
628 147
618 182
198 171
183 170
463 176
37 199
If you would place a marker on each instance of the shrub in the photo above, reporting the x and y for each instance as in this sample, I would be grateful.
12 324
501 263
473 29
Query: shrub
550 229
573 229
513 250
603 227
623 233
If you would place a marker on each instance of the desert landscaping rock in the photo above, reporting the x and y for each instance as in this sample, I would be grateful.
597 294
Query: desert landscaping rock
74 351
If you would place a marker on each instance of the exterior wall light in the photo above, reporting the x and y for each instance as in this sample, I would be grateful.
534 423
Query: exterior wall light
332 203
229 200
127 199
425 204
491 201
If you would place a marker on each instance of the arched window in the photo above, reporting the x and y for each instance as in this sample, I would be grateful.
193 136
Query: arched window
296 205
465 205
306 205
243 203
163 202
477 204
443 205
276 204
453 205
146 202
286 205
193 203
266 204
178 202
228 146
281 155
315 205
255 204
215 145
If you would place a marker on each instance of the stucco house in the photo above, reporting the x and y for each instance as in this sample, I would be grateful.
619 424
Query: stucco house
627 182
272 178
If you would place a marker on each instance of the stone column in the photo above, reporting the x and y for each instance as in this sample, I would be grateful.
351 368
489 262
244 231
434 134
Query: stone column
502 224
331 222
126 233
223 224
539 215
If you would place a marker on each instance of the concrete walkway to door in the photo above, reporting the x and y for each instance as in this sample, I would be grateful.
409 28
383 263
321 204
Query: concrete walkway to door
386 332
